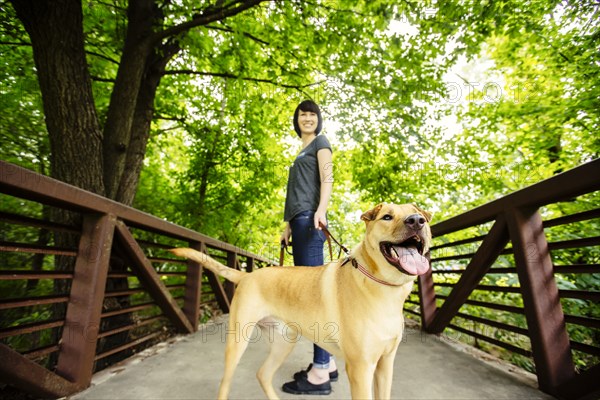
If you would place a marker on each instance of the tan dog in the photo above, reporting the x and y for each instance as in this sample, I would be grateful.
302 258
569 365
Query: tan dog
352 308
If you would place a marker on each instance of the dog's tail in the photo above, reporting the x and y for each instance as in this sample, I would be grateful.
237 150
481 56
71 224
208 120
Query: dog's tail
210 263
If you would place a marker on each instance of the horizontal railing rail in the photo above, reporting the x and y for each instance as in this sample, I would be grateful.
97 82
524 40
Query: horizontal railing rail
515 276
25 184
78 297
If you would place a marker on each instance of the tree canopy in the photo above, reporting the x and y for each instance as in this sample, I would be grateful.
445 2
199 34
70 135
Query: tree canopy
447 104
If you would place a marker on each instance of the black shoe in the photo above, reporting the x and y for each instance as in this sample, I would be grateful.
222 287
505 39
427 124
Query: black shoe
333 376
303 386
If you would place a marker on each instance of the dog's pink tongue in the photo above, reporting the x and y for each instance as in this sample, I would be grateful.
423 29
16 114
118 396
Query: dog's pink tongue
411 261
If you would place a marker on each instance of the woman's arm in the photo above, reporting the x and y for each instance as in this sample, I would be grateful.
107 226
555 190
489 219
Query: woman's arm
326 173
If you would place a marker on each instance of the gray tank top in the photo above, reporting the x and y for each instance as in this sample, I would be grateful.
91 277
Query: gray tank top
304 180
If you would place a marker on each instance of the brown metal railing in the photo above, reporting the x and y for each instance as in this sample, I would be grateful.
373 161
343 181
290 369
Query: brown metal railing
500 276
120 293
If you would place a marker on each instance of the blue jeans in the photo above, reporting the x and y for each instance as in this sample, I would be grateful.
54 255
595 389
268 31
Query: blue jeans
307 245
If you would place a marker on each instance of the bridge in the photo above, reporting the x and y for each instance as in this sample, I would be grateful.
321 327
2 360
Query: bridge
86 299
427 367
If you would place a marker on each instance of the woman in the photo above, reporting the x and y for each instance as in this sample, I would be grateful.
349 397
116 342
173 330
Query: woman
309 188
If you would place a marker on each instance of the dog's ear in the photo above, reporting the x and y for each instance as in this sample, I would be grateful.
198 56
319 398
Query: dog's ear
371 214
426 214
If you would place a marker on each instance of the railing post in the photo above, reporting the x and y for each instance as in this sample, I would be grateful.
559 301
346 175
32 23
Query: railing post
193 289
232 262
82 322
545 318
249 264
427 300
218 289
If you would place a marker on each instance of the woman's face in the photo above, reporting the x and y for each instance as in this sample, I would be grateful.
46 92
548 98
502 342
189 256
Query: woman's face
308 122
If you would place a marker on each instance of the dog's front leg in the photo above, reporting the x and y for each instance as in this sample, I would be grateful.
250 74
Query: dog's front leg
360 375
384 375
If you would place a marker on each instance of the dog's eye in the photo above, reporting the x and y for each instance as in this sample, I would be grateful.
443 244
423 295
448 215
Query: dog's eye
387 217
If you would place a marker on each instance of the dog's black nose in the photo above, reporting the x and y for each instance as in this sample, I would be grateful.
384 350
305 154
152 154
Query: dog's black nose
415 222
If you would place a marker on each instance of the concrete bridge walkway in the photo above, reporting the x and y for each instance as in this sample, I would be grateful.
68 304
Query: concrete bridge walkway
190 367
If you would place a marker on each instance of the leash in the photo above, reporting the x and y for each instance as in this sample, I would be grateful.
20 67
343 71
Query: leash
282 252
353 261
284 249
328 236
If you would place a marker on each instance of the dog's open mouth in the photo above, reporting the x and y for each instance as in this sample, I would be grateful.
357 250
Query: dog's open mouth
406 256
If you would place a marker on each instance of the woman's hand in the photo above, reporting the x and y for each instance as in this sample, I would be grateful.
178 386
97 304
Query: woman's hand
285 236
320 219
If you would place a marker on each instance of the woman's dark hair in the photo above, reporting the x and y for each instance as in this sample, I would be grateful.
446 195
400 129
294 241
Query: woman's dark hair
308 106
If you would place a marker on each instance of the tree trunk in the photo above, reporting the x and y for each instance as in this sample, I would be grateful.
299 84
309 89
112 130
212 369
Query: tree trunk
124 97
56 32
144 112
